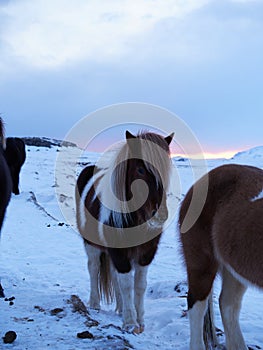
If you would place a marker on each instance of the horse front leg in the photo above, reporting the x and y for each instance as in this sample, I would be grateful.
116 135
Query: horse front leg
126 284
125 279
140 284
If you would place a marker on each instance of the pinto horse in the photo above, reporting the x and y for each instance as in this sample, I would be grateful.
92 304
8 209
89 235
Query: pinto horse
5 184
226 237
121 211
15 154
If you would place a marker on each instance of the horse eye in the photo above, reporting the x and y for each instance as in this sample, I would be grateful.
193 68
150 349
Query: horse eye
141 170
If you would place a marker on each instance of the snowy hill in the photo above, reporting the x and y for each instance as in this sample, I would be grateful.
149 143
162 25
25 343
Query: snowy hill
252 156
43 269
46 142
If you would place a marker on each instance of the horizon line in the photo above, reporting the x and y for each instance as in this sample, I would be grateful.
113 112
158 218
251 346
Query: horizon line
209 155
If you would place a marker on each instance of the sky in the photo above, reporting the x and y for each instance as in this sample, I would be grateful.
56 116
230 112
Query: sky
61 60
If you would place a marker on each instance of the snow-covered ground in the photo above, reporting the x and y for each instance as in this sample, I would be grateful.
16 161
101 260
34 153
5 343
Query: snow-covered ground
44 267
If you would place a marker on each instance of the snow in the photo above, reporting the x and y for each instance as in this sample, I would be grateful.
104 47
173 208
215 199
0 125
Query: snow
43 264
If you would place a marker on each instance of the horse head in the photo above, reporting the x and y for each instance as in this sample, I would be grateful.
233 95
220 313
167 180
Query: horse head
148 168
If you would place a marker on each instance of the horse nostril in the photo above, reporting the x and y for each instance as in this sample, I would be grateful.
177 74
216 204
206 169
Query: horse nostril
154 212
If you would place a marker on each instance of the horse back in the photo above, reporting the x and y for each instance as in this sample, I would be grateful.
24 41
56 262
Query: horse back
225 184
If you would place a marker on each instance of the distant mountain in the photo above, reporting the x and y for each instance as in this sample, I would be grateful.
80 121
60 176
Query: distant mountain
253 156
46 142
255 152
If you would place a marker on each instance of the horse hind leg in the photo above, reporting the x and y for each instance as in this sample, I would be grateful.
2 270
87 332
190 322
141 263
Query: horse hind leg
200 286
117 291
196 319
94 268
230 305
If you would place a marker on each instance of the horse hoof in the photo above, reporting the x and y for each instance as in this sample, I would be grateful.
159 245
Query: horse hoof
142 327
95 307
134 329
221 347
118 312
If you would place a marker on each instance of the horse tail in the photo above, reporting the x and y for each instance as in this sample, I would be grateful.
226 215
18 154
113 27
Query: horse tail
2 133
106 285
210 338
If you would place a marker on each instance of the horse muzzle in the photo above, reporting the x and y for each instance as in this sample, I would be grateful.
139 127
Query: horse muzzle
159 217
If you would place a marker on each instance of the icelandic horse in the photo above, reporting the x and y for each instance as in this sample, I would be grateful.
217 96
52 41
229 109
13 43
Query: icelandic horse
121 210
5 184
227 237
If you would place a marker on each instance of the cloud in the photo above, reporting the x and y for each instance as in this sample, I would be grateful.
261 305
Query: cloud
54 34
50 34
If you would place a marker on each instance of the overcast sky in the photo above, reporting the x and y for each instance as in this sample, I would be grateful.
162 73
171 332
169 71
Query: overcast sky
202 60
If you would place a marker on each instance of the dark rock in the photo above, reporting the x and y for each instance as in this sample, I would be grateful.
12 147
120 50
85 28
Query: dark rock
56 311
9 337
85 335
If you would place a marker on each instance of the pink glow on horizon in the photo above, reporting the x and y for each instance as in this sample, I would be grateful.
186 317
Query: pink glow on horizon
210 155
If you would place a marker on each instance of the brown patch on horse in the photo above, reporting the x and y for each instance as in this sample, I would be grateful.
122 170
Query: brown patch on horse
228 235
227 222
238 227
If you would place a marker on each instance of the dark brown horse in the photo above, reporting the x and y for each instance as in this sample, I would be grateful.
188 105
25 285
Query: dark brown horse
121 210
227 237
15 154
5 184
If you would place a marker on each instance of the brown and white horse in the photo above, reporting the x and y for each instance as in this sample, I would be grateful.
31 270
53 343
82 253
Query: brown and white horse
227 237
121 210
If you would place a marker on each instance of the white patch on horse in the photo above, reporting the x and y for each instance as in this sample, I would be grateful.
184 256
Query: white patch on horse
230 303
126 283
229 268
196 317
259 196
82 208
104 191
102 220
238 277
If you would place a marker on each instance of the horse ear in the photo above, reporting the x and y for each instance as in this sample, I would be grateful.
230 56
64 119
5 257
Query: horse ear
134 146
169 138
129 135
